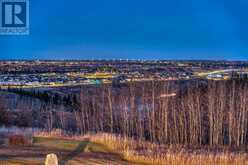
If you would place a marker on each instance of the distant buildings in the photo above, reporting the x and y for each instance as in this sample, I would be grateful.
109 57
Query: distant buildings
61 73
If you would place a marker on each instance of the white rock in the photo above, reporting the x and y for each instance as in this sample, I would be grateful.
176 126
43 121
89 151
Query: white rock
51 159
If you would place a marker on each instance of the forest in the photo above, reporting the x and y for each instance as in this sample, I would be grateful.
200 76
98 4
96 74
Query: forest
192 113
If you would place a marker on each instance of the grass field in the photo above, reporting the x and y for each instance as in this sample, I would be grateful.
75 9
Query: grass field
93 152
69 152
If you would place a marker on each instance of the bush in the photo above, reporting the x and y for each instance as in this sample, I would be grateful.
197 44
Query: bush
18 140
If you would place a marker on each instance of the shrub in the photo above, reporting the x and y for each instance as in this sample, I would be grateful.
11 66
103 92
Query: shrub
18 140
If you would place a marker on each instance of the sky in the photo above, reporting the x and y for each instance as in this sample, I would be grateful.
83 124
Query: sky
132 29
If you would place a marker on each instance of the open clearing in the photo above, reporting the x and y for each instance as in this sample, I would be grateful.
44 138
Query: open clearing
69 152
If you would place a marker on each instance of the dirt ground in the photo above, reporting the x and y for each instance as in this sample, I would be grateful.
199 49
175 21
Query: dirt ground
69 153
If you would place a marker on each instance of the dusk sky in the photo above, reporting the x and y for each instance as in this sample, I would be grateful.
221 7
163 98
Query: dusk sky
133 29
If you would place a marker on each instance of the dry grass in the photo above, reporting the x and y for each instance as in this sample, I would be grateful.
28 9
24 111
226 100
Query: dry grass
148 153
19 162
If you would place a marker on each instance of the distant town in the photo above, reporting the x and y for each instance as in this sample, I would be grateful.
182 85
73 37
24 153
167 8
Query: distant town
29 74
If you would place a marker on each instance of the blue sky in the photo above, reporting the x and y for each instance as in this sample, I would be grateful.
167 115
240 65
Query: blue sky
133 29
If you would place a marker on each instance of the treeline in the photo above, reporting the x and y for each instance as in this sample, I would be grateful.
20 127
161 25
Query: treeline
32 108
46 96
191 113
213 113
